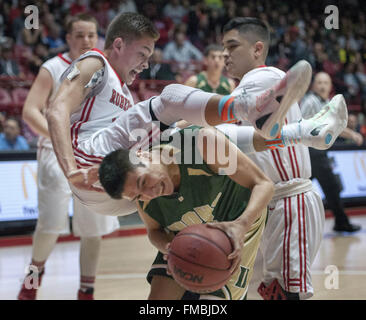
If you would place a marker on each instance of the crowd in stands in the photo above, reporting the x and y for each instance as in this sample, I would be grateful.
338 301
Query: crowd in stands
186 27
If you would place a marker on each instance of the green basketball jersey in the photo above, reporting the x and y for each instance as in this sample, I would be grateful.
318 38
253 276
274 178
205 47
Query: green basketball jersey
223 88
203 195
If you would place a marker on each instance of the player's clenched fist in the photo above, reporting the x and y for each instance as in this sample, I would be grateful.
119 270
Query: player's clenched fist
85 179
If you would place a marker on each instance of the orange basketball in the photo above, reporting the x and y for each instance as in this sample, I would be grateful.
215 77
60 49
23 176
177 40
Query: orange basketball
198 260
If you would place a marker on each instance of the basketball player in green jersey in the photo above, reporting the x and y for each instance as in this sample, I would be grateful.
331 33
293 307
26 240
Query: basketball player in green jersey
212 80
200 177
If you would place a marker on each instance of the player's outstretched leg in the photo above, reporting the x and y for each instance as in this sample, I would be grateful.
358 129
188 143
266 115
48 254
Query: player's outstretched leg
267 113
322 129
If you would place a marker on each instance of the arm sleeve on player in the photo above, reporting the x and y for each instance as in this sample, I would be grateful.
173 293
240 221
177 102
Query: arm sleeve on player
178 102
97 81
242 136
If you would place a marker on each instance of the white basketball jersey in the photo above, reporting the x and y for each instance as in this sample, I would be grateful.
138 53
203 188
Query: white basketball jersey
56 66
281 164
99 110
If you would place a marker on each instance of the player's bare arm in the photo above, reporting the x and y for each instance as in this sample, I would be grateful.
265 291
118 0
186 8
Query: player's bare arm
156 233
232 85
68 100
248 175
191 81
36 102
348 133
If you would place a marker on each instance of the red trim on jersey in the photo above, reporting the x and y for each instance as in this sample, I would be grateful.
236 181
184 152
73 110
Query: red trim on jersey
73 127
63 58
292 162
300 244
281 164
304 228
75 133
120 80
284 246
277 166
84 156
288 238
297 164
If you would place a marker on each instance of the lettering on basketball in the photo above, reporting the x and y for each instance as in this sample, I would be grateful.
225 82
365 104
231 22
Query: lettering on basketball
120 100
32 20
31 281
331 21
331 282
195 278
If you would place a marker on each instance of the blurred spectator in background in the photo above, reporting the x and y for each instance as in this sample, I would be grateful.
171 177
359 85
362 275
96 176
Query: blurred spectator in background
54 40
2 121
31 37
36 58
175 11
99 11
354 127
77 7
157 70
320 163
8 66
351 82
181 50
121 6
164 25
212 79
11 139
361 79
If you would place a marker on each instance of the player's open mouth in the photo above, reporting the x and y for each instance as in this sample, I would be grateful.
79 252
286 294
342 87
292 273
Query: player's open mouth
133 73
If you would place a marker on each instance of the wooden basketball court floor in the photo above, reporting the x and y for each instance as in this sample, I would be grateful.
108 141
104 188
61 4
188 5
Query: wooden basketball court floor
125 261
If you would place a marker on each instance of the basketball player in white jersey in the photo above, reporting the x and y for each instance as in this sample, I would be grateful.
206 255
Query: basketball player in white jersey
53 190
296 215
95 100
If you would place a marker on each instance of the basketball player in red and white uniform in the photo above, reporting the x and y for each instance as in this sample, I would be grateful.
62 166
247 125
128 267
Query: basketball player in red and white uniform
53 190
94 99
294 228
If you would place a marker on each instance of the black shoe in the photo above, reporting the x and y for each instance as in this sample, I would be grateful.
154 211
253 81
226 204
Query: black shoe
347 227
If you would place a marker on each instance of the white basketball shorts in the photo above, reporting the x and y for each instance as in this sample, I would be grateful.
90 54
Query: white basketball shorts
53 203
291 240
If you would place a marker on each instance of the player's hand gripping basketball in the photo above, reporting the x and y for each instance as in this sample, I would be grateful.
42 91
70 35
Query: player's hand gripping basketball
86 179
236 232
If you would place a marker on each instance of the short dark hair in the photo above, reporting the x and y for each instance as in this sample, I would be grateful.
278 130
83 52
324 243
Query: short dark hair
16 120
130 26
113 172
80 17
212 47
254 28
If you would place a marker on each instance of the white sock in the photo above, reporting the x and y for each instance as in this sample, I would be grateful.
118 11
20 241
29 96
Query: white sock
291 134
89 258
178 102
